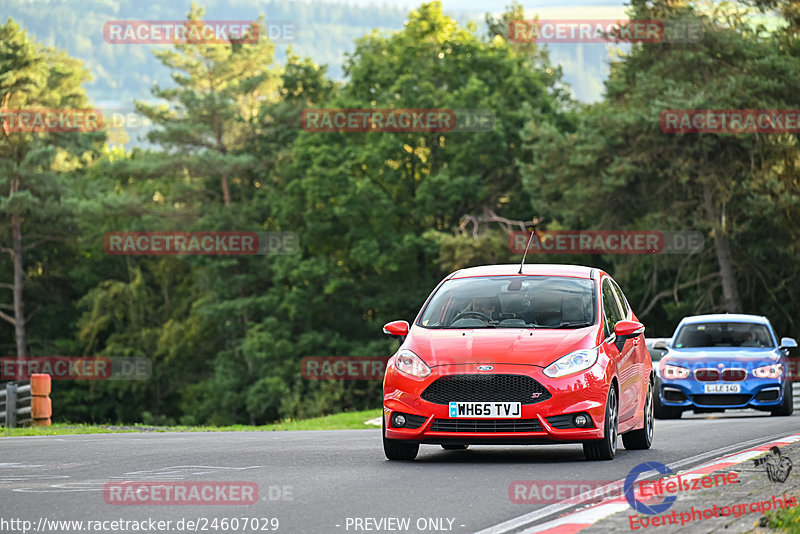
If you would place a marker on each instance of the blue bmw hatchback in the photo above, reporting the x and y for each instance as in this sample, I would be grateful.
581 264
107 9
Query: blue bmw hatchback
724 361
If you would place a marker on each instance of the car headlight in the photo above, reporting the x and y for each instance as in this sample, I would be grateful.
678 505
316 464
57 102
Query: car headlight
573 362
411 364
673 372
768 371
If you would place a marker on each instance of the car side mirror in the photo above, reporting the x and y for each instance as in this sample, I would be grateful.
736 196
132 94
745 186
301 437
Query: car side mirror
398 329
788 343
660 345
625 330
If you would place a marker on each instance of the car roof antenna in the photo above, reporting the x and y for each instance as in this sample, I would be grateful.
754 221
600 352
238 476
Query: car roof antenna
533 231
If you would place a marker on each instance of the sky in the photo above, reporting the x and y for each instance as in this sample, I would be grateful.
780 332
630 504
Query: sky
585 79
482 6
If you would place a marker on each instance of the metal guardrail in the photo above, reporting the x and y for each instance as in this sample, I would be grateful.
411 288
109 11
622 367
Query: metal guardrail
15 404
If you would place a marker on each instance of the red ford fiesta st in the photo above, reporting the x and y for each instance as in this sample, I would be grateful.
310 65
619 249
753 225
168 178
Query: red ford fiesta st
507 355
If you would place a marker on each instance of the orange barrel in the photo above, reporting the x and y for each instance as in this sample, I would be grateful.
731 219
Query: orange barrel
40 385
41 404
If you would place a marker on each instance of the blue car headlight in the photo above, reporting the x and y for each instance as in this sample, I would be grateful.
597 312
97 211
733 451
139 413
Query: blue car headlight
768 371
672 372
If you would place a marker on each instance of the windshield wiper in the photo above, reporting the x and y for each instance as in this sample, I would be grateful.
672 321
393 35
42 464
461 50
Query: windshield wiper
572 325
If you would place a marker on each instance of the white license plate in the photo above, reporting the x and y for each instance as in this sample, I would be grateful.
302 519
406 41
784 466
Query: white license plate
486 410
722 388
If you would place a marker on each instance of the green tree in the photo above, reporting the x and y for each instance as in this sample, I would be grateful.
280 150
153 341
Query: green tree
374 210
37 169
615 168
207 119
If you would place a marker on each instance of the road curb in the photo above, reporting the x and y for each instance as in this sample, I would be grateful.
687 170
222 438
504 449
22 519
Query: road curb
585 518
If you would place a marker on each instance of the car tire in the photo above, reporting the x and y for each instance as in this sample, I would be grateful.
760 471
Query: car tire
604 449
455 447
786 407
396 449
659 410
642 438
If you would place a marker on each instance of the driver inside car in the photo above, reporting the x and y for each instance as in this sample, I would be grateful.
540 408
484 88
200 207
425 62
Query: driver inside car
752 339
483 305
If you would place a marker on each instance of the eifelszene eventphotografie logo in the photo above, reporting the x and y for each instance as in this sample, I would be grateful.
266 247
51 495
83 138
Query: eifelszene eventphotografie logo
630 481
777 467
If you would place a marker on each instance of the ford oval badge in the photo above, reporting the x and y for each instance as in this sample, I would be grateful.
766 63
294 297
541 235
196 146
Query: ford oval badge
485 368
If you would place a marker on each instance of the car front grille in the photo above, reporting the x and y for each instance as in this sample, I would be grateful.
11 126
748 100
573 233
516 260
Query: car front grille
706 375
485 388
486 425
721 400
712 375
734 375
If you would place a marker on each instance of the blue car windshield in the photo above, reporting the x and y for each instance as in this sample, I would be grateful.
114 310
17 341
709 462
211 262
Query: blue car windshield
723 335
512 302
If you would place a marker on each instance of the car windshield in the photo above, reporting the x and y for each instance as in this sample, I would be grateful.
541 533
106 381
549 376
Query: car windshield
724 335
512 302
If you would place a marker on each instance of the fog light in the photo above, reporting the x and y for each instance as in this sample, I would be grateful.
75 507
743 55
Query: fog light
399 420
581 421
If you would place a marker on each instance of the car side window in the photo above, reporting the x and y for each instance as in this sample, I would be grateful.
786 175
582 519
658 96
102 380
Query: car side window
611 310
623 302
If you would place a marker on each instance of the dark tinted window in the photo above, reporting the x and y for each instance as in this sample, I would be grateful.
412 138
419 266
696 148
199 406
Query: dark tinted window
623 302
723 335
512 302
611 310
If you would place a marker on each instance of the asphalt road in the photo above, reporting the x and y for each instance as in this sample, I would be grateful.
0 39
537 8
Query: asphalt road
323 481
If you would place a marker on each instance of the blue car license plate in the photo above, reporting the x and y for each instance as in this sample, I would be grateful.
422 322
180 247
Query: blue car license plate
722 388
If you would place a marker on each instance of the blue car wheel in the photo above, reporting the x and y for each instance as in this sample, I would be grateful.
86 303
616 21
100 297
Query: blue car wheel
786 406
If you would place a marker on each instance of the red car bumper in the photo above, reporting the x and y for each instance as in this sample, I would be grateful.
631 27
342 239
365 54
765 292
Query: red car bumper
545 421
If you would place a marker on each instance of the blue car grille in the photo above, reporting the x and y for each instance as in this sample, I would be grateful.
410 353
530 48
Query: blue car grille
712 375
721 400
734 375
706 375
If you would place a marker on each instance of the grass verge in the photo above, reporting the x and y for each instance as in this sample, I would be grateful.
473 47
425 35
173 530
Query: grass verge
340 421
785 520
